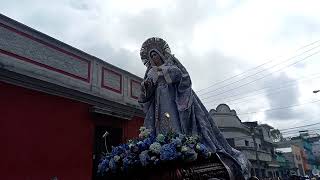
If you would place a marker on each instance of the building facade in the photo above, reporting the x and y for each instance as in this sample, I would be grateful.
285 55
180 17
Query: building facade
295 161
305 143
285 164
56 104
250 138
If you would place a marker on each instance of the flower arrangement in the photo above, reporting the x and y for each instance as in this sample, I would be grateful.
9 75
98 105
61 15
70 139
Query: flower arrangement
150 151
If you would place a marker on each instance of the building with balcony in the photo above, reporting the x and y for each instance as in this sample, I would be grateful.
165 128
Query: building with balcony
285 165
294 157
305 143
250 138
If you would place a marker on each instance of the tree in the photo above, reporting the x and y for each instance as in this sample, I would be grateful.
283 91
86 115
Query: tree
276 135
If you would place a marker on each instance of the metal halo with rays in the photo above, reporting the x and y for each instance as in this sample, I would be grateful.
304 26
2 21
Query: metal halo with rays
154 43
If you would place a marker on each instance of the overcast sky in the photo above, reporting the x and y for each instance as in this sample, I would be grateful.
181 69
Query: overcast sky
215 40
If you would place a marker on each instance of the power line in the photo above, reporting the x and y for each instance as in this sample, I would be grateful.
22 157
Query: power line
289 84
214 84
314 76
285 133
228 102
308 45
299 126
279 108
307 131
250 82
233 77
260 71
301 131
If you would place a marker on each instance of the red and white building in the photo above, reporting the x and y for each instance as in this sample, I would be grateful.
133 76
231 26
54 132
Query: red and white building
56 102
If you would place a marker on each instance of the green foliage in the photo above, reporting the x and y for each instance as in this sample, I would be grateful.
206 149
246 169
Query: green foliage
276 135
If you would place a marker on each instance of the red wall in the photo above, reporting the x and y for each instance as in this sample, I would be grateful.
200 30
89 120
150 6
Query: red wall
131 128
44 135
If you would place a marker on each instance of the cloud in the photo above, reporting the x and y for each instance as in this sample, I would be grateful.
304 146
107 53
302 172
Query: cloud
287 97
213 39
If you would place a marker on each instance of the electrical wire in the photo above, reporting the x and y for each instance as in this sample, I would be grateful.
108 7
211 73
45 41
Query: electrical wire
250 82
251 69
280 108
289 84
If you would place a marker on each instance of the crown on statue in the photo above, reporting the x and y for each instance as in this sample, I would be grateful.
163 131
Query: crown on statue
154 43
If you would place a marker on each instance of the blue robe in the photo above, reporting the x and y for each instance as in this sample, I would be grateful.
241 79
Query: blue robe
171 105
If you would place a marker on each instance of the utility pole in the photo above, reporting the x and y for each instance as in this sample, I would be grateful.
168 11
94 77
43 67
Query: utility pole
256 151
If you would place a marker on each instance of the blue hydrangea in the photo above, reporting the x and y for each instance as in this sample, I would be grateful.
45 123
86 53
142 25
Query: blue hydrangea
124 147
203 150
155 147
177 142
123 155
103 166
168 152
135 148
112 165
201 147
119 149
190 155
116 158
182 137
184 149
144 132
131 144
192 146
147 141
142 146
192 140
126 162
161 138
149 149
144 158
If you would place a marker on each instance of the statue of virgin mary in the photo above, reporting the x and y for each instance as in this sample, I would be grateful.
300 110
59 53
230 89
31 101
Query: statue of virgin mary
170 104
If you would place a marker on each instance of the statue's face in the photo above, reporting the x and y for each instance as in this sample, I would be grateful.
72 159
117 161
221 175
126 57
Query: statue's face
156 58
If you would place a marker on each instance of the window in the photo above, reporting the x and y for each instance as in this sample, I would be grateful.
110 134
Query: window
259 146
246 142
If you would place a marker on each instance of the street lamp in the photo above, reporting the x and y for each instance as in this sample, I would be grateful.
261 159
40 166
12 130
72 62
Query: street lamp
316 91
104 136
